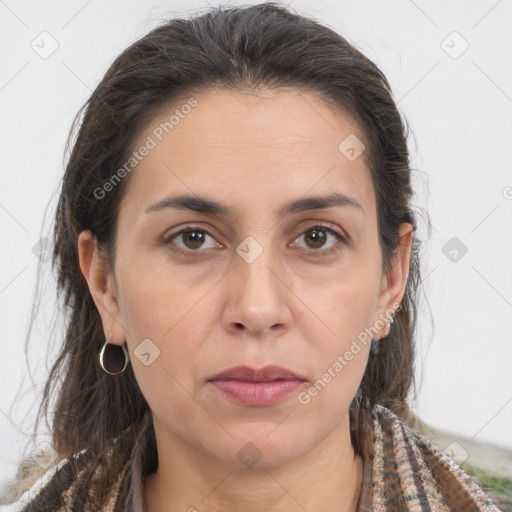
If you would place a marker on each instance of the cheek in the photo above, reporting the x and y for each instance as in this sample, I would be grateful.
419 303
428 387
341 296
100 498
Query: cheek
346 305
340 362
157 303
168 381
169 320
341 351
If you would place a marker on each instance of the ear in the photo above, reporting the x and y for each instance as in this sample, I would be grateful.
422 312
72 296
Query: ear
102 286
394 281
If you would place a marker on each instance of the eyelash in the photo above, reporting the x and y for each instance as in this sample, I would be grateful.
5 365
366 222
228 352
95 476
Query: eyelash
319 252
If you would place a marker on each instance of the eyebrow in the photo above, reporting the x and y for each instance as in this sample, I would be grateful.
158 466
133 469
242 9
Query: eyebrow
209 206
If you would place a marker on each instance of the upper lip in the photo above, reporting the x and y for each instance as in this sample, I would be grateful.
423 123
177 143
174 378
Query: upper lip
265 374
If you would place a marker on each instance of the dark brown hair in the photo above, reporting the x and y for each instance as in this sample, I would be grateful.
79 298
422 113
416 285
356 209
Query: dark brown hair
243 48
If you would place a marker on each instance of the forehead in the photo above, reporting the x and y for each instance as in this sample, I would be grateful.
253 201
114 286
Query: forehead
274 143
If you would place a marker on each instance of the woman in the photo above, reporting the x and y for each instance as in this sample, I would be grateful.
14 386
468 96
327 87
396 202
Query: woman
236 247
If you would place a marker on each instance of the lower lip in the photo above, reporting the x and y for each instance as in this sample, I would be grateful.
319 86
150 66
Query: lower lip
257 394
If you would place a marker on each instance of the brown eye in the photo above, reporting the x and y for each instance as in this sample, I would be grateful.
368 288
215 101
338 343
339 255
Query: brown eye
320 237
315 238
191 239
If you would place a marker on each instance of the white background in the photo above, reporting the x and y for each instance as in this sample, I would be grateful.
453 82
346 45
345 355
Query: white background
460 112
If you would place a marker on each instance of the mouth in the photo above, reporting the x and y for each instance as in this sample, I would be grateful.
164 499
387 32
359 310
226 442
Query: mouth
257 388
268 373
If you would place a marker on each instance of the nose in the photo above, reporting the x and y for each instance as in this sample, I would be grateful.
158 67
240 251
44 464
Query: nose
258 298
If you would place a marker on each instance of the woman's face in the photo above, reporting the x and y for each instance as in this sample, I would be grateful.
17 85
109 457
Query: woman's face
266 275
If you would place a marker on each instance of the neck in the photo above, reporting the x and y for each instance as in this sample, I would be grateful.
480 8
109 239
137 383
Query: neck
328 477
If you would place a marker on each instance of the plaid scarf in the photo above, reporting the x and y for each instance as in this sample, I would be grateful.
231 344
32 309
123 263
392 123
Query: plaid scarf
406 473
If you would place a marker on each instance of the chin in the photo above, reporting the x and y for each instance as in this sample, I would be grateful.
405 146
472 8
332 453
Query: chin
265 448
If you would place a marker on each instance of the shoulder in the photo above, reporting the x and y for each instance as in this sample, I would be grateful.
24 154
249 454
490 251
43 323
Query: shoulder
62 488
409 473
44 490
74 483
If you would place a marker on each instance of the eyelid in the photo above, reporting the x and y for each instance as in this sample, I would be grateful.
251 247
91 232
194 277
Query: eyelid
328 226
